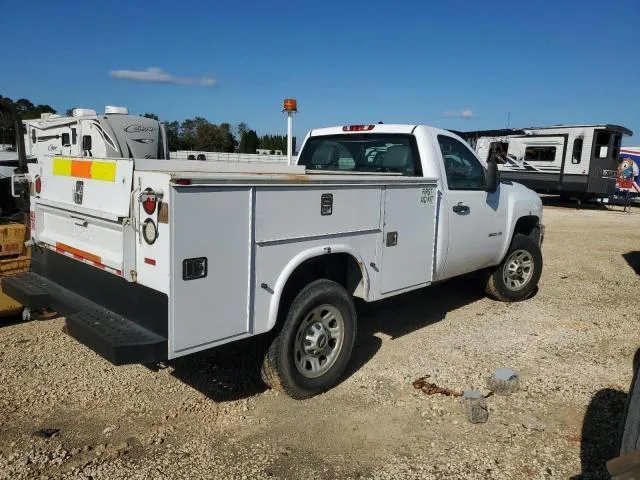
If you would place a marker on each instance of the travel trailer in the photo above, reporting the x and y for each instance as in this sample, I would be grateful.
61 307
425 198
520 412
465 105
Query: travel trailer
578 161
115 134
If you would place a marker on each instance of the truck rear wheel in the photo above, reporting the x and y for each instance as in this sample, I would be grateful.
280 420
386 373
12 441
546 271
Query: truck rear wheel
518 274
313 348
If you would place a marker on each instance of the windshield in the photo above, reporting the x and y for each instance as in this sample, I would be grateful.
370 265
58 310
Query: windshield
370 152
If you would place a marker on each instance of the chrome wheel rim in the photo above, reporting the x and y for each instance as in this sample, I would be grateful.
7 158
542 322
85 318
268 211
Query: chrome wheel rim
318 341
518 270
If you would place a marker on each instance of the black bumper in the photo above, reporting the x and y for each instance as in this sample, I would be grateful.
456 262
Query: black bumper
114 337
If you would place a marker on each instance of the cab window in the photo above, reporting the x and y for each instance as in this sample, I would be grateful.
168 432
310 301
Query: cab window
463 170
369 152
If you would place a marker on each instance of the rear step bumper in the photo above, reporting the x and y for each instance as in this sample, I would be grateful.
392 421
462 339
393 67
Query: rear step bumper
112 336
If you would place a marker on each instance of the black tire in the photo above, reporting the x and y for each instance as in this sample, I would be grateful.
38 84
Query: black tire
279 370
498 288
630 435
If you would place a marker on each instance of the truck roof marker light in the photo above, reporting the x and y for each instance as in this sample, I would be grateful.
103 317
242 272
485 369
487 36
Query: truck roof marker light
357 128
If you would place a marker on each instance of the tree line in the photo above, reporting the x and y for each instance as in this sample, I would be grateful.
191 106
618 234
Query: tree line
191 134
199 134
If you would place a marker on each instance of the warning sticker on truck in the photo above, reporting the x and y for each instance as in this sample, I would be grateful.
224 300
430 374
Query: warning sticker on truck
428 195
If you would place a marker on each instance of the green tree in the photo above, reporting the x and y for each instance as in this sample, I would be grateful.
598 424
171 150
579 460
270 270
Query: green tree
242 148
252 141
151 115
242 128
173 135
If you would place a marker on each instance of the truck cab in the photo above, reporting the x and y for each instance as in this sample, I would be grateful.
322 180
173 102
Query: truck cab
477 215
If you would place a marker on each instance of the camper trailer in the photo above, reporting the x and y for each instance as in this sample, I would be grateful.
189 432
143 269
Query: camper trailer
116 134
578 161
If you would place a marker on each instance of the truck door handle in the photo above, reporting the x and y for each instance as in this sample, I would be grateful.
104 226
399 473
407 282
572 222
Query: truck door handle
461 208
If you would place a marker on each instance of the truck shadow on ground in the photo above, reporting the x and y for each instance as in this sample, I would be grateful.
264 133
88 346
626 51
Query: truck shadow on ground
600 432
232 372
633 260
602 428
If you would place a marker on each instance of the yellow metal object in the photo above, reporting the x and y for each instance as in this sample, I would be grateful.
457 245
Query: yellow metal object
12 237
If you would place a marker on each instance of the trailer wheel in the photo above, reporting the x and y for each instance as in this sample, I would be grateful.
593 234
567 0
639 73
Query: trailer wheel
518 274
313 348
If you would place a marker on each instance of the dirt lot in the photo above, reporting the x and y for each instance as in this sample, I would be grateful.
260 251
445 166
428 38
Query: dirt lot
208 416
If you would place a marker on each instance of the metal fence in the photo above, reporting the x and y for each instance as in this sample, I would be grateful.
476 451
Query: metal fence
229 157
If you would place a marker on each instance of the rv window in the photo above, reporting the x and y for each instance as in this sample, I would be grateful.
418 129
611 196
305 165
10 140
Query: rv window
498 152
65 139
602 143
74 136
577 150
33 135
463 170
86 142
616 146
540 154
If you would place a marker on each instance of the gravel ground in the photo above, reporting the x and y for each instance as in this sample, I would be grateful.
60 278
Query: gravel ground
66 413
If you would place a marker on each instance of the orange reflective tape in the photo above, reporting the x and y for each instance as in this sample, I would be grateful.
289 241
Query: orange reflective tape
78 252
81 169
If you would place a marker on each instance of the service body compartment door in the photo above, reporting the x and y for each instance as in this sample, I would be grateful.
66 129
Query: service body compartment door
211 252
408 237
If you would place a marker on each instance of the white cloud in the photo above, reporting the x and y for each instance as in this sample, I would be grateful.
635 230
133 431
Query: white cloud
466 113
157 75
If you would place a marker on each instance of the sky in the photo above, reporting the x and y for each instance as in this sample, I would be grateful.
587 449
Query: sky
463 65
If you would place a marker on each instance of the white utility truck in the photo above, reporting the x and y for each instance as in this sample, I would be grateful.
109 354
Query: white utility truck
151 260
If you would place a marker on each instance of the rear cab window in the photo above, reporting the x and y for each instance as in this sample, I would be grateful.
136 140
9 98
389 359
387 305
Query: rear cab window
366 152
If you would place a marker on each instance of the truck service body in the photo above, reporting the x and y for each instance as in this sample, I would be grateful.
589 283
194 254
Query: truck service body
150 260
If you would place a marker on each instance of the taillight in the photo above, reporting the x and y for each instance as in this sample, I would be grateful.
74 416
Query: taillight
149 206
38 184
357 128
149 231
183 181
149 200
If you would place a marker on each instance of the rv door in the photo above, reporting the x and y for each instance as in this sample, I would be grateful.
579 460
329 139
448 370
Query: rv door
602 168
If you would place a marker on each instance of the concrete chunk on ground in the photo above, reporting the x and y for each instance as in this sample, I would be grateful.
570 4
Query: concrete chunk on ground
504 381
475 406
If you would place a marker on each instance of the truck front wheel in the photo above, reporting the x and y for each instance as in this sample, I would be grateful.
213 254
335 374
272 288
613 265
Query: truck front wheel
313 348
518 274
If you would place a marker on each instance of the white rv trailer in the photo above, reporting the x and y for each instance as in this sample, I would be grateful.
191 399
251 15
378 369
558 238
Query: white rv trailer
86 133
570 160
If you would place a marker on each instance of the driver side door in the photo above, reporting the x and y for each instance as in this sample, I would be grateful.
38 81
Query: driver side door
474 216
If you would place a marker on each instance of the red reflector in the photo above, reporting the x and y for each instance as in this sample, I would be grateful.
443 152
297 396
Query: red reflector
183 181
149 261
149 206
357 128
38 185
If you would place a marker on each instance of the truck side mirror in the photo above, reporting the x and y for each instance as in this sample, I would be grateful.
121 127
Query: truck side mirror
492 176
